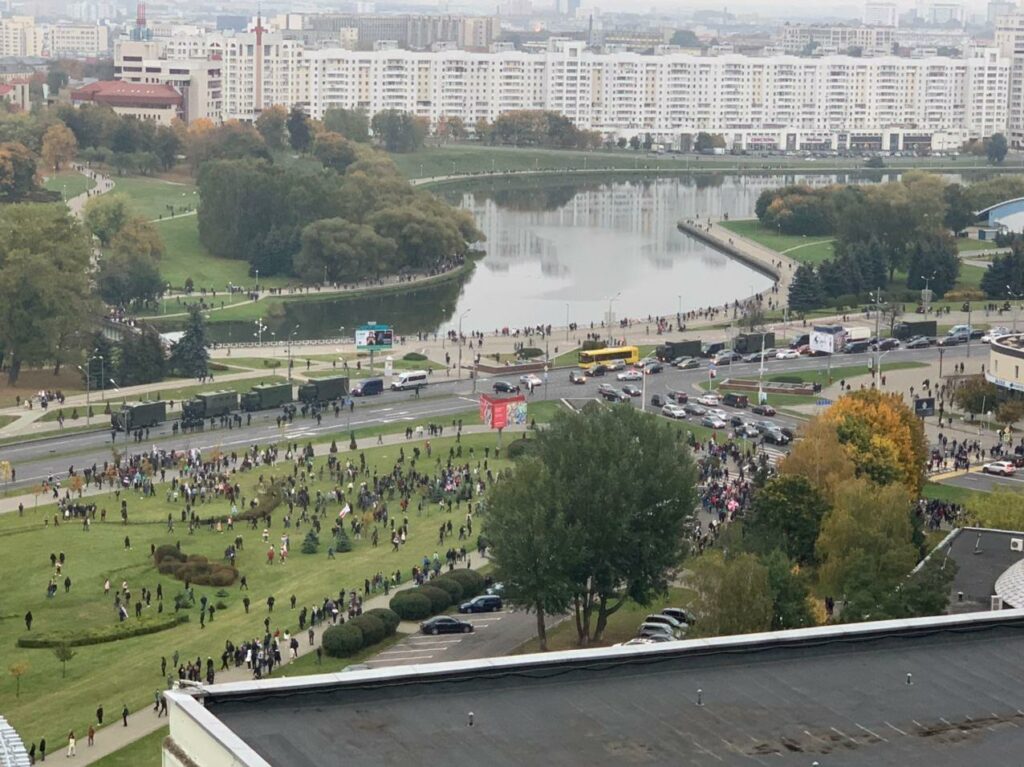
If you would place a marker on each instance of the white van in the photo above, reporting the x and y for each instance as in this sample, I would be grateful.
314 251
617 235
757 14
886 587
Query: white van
410 379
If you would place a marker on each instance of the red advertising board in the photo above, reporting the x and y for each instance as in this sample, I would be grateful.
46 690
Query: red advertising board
499 412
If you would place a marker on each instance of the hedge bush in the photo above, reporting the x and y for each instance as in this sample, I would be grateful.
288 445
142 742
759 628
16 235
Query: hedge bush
388 617
439 599
471 581
415 357
372 628
411 605
103 634
529 353
520 447
450 585
342 640
168 551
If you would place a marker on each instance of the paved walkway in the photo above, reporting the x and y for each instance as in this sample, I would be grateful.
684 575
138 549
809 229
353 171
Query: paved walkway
104 184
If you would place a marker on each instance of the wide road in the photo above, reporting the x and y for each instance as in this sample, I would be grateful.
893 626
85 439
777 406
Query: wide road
442 400
985 483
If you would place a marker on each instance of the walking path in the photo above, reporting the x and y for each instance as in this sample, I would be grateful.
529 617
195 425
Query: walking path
104 184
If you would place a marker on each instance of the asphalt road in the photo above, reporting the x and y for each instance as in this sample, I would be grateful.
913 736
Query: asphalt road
494 635
984 483
39 459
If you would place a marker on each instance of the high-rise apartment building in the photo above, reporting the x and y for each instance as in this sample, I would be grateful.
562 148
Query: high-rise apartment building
881 14
21 36
871 40
198 80
1010 41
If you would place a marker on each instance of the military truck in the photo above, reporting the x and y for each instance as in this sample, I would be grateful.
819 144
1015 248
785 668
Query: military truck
321 390
211 404
673 349
749 343
267 397
905 330
139 415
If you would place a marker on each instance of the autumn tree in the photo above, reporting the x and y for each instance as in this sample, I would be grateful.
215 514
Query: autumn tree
882 436
334 151
105 215
786 514
17 171
137 236
820 458
271 124
59 146
733 594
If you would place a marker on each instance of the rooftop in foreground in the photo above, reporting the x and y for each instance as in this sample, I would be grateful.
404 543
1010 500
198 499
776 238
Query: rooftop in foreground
838 695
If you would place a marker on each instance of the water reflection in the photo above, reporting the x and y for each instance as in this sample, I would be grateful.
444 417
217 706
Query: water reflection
559 250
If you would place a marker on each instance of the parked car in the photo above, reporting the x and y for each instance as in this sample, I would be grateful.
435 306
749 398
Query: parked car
763 410
577 377
731 399
655 628
712 422
504 387
857 347
630 375
694 409
787 354
888 344
681 615
727 358
994 333
718 413
632 391
687 363
767 354
657 367
679 397
677 626
657 400
614 395
918 342
445 624
953 340
674 411
615 365
485 603
711 400
1003 468
747 430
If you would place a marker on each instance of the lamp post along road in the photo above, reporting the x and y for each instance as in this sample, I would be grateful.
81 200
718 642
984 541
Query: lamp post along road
458 374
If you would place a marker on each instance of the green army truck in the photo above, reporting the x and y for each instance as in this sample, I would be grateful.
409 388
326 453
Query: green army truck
138 415
267 397
322 390
205 405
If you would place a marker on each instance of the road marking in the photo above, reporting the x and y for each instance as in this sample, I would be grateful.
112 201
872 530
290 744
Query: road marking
842 734
415 657
894 727
872 733
429 639
410 652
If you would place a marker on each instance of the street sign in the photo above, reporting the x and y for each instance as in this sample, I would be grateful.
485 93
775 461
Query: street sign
374 338
824 402
924 407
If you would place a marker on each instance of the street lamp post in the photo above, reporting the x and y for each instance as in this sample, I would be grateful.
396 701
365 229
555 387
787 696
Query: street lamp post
458 374
612 300
878 315
260 327
566 321
291 337
1016 299
88 386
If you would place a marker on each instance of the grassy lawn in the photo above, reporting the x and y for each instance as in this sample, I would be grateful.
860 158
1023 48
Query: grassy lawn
970 245
951 493
99 554
154 197
970 277
186 257
810 250
621 625
145 752
70 183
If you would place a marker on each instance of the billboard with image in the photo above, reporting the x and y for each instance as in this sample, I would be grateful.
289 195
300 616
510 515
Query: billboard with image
374 338
499 412
829 339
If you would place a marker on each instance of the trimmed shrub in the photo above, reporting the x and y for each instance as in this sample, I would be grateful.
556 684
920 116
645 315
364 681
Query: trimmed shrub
168 551
529 353
520 447
415 357
103 634
311 543
439 599
342 542
342 640
592 343
388 617
170 567
372 628
269 363
411 605
197 558
471 581
450 585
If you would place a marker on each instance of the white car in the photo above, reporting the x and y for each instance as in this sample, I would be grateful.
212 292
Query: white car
1003 468
674 411
529 379
718 413
677 627
615 365
787 354
993 334
711 400
630 375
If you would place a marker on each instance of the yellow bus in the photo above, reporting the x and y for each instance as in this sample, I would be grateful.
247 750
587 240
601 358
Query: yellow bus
628 354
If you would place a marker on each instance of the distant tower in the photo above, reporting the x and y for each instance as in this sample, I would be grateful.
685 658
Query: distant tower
257 106
141 32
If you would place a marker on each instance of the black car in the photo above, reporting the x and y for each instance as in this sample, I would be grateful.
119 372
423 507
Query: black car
614 395
577 377
657 400
597 370
679 397
485 603
953 340
657 367
763 410
887 344
504 387
918 342
775 436
857 347
445 624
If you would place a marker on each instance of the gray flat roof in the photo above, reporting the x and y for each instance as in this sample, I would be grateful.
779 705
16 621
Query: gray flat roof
981 557
830 695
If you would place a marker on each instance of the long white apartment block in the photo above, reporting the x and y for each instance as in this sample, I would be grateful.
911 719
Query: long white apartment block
625 93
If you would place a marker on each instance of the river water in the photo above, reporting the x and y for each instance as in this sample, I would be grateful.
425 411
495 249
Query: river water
564 250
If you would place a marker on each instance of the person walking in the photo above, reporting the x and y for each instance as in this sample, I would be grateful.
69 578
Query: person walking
71 744
28 621
124 714
42 749
99 715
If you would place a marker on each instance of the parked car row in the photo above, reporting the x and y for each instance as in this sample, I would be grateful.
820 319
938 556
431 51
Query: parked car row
670 625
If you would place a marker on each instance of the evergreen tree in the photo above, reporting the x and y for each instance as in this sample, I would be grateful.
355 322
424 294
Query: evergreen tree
1005 271
189 357
99 372
934 262
874 265
805 292
299 134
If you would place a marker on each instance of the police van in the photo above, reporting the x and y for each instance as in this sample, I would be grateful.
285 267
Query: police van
410 379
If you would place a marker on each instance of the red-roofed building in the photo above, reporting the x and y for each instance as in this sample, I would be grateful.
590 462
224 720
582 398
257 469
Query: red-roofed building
157 102
16 93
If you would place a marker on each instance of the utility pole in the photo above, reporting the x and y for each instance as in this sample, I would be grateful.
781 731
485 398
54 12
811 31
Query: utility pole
458 374
878 359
